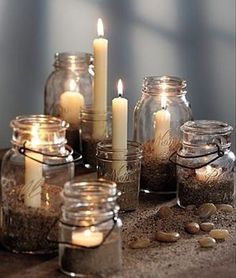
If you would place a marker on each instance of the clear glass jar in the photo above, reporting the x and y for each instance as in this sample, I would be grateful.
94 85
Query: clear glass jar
158 115
90 230
123 167
95 127
33 173
68 88
205 164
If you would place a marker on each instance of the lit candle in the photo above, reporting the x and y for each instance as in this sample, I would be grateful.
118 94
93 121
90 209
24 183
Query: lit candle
87 238
208 173
100 46
71 102
119 120
119 132
33 172
162 130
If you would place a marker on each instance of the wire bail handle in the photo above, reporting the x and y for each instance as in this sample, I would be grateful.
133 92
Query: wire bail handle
219 153
23 150
114 218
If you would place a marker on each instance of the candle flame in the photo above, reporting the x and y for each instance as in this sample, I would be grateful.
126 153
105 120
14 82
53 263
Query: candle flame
120 87
72 85
163 101
100 28
35 135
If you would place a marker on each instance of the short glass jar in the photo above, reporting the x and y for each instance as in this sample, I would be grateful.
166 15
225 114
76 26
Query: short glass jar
205 164
158 115
123 167
68 89
95 127
90 230
33 173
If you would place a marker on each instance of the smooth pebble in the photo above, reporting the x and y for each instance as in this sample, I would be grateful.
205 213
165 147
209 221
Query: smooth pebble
224 207
206 210
140 243
192 228
207 226
167 237
207 242
165 212
219 233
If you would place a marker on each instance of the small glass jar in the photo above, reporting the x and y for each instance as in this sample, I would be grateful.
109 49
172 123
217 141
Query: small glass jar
123 167
90 230
68 88
205 164
95 127
33 173
158 115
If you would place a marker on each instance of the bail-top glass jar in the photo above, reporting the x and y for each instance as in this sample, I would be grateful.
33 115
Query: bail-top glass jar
90 230
68 88
205 164
158 115
33 173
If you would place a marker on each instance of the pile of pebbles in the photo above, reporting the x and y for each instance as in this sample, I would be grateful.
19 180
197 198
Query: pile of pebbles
173 223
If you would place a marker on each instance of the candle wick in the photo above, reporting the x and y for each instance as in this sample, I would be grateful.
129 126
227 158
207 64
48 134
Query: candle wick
119 95
100 36
164 107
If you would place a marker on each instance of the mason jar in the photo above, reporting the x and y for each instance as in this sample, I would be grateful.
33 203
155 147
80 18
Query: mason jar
33 173
123 167
158 115
95 127
68 89
90 230
205 164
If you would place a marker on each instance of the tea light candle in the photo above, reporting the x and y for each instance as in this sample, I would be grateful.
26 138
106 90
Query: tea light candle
100 47
71 102
33 173
162 129
87 238
208 173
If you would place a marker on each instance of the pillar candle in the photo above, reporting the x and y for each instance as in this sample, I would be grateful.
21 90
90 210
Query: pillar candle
100 47
33 172
162 130
71 102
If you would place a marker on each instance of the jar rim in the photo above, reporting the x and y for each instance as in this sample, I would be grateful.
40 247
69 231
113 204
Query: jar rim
164 84
46 122
134 150
99 191
206 127
74 56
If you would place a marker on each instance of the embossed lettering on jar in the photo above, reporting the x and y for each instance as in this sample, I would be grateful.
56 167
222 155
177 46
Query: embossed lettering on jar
158 115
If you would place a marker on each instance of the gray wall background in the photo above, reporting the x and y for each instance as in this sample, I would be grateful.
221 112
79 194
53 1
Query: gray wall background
193 39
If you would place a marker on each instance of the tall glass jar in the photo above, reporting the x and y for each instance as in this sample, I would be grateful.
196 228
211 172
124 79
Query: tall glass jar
68 88
90 230
205 164
158 115
95 127
33 173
